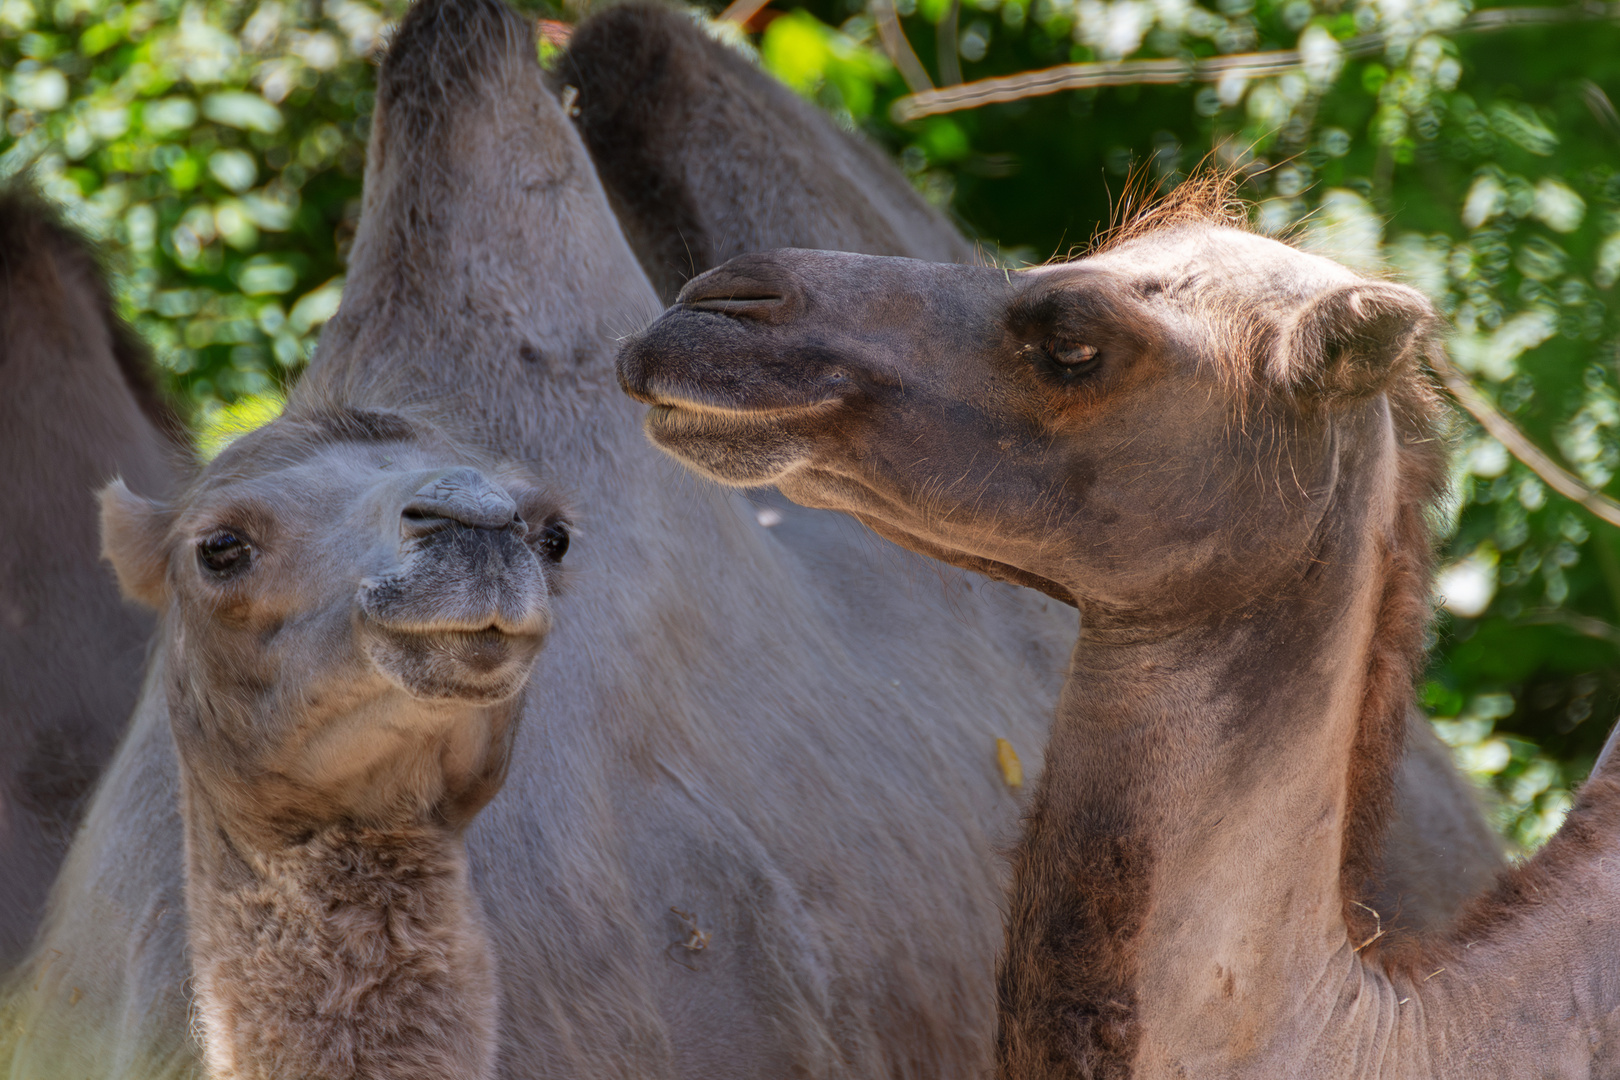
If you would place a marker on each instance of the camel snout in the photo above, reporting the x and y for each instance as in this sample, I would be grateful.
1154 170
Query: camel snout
461 497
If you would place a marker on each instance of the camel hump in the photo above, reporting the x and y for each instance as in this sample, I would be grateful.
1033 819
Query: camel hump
448 53
41 259
704 156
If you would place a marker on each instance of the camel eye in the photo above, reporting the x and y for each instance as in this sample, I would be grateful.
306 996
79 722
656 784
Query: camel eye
1072 356
224 553
1065 362
553 541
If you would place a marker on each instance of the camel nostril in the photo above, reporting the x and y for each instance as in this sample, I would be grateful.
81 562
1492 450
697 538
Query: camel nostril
460 498
750 287
740 307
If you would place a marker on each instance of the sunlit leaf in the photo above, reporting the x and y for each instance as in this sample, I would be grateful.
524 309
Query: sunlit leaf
243 110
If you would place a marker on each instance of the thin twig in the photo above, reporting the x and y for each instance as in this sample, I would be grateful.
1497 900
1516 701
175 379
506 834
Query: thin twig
1584 625
740 11
1378 933
1505 432
899 49
1255 65
946 45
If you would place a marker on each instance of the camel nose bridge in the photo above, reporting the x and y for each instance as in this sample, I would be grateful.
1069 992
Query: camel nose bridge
461 496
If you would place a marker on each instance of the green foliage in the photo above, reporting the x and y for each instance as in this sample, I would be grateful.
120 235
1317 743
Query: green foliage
825 64
217 146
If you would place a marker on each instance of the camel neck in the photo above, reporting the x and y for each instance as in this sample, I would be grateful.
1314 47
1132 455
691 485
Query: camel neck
1211 801
1183 857
353 952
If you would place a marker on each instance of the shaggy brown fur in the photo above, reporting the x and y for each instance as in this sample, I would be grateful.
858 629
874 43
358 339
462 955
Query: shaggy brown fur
1066 990
349 956
1397 658
1208 197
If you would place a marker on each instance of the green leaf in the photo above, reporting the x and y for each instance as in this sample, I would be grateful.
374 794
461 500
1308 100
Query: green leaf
239 109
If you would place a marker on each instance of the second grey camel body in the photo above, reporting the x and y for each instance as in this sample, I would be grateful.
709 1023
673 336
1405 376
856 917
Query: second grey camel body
78 406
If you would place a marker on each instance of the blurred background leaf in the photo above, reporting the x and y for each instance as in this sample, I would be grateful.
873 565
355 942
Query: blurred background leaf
216 146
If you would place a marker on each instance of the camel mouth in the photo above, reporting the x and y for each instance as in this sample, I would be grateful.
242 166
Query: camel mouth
686 407
524 623
458 628
701 359
454 663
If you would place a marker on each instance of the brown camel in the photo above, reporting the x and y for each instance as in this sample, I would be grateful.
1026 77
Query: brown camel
705 157
722 722
77 406
1224 452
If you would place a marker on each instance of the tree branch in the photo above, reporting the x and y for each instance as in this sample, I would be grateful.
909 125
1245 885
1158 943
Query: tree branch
899 49
740 11
1519 445
980 92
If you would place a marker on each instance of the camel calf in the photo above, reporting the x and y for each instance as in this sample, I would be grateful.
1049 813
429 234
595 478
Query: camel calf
745 829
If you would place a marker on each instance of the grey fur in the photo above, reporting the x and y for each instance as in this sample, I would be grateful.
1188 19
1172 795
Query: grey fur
77 406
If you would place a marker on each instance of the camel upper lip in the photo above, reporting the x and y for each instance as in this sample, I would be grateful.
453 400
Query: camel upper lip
384 605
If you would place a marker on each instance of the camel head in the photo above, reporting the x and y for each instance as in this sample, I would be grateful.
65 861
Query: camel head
353 604
1155 427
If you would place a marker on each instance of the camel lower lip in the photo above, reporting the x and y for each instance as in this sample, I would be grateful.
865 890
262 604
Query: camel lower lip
453 663
483 651
486 647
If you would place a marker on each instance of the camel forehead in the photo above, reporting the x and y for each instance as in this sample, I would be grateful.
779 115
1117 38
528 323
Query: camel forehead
287 469
1194 258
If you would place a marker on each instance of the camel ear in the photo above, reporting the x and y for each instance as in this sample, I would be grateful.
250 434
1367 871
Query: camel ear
134 532
1352 341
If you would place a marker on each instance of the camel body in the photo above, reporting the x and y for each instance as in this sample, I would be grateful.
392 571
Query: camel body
723 720
1223 451
77 407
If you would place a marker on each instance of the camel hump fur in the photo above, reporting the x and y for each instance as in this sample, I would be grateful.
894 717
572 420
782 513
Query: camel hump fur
705 157
79 404
1224 451
626 784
